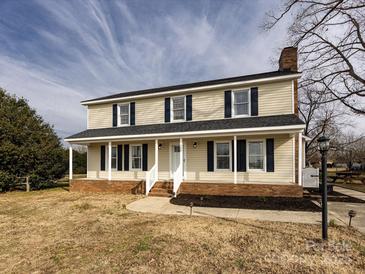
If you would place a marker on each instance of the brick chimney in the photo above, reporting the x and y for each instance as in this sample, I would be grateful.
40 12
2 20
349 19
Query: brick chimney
288 59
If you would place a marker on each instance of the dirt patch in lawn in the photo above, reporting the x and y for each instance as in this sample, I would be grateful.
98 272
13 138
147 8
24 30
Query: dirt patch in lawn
58 231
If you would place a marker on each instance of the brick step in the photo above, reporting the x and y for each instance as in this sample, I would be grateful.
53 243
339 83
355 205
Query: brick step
160 194
160 190
162 184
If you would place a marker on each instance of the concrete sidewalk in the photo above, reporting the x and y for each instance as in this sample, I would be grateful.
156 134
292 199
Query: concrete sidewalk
161 205
340 210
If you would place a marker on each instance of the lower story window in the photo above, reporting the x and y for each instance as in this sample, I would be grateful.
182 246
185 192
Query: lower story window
114 157
256 155
136 156
223 156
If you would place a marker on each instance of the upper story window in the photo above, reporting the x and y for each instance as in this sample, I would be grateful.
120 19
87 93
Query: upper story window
222 156
123 115
256 155
241 103
178 108
136 157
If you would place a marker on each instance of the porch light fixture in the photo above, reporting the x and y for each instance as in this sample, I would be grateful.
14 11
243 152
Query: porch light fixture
159 146
324 145
195 145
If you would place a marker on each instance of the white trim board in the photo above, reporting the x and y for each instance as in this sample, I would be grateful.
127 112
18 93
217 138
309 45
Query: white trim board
208 87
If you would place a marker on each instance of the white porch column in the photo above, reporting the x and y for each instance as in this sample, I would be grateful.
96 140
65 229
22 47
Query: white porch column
235 158
300 151
70 163
109 161
182 157
156 158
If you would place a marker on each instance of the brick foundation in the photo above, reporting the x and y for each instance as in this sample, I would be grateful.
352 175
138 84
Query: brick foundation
229 189
126 187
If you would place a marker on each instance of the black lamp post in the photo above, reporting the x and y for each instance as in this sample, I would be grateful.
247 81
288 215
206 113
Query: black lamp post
324 144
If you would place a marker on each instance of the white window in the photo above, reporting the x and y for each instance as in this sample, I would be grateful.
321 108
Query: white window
256 155
136 157
123 115
223 156
114 157
241 103
178 108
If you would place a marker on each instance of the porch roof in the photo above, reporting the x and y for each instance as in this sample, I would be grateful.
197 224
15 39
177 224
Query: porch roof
265 123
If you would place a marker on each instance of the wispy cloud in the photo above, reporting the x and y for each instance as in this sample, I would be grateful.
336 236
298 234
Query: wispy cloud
57 53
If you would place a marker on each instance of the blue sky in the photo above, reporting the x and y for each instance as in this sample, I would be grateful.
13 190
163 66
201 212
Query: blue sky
57 53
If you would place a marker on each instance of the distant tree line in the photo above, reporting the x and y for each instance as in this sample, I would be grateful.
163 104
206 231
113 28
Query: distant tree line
30 147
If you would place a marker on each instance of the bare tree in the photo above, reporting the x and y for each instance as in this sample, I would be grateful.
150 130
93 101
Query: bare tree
330 38
319 118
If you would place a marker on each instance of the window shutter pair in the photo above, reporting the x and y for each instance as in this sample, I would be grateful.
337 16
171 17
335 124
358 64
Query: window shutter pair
241 155
132 114
119 157
188 108
254 102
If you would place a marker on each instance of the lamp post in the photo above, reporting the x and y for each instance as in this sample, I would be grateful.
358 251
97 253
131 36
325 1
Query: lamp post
324 144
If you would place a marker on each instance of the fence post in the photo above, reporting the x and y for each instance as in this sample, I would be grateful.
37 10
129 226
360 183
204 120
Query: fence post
27 183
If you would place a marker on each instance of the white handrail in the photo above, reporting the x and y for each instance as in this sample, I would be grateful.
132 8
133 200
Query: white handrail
178 178
151 179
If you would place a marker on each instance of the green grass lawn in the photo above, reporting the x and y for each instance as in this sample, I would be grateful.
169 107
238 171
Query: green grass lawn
58 231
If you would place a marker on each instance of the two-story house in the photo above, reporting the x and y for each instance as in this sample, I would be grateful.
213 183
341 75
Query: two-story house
233 136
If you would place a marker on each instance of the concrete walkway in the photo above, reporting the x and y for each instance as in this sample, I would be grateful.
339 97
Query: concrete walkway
160 205
340 210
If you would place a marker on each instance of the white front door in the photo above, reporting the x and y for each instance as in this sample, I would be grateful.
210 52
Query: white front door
175 158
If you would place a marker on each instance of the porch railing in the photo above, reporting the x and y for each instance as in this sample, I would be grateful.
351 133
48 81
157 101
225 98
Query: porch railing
178 178
151 178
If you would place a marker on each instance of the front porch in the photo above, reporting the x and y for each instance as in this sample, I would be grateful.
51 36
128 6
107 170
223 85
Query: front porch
210 165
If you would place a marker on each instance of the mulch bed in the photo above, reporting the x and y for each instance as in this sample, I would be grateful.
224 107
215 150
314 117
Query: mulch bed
269 203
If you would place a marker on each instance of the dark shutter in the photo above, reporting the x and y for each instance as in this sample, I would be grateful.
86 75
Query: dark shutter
254 101
102 157
233 155
241 155
126 157
133 113
144 157
189 107
115 115
120 157
270 166
227 104
210 156
167 110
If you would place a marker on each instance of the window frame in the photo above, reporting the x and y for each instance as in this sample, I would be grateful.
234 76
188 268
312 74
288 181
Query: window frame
131 157
248 155
107 157
216 158
129 114
172 109
249 102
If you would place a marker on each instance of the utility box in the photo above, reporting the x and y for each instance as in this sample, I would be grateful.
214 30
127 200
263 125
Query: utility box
310 177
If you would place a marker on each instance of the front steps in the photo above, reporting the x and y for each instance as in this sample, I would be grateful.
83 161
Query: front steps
162 189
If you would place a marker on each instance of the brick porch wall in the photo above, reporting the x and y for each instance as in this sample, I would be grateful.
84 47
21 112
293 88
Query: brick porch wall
126 187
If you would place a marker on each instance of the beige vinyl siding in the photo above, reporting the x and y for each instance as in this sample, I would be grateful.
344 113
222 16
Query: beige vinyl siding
99 116
274 98
196 162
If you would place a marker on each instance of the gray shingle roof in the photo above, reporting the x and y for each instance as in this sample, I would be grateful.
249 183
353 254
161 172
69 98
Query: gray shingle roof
232 123
196 84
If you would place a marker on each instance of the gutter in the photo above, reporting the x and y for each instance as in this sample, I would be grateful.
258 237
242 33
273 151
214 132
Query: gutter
205 133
